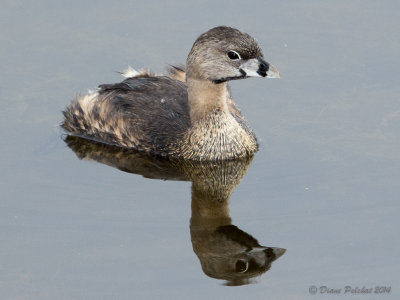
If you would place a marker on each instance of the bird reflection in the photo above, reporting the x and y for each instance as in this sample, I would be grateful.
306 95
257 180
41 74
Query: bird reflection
225 251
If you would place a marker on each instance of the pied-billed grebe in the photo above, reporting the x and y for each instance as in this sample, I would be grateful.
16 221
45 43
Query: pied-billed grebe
188 115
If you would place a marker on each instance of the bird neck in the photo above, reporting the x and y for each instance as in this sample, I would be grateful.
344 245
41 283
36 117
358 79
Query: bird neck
206 97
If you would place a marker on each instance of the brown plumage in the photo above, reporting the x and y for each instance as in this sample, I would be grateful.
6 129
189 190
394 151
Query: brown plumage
188 114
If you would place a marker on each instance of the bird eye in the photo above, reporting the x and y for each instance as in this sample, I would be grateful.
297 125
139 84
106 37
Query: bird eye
233 55
241 266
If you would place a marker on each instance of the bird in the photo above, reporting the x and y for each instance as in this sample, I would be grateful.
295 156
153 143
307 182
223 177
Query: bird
187 114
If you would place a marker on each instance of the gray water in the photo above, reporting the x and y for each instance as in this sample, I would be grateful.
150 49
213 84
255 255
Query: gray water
324 185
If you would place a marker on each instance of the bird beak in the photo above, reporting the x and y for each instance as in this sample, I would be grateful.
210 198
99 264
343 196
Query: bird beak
258 67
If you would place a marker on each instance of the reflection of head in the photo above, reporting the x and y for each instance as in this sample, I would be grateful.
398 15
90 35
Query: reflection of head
225 251
231 254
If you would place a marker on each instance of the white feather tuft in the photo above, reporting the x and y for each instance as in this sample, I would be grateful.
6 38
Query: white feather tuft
130 72
87 101
92 91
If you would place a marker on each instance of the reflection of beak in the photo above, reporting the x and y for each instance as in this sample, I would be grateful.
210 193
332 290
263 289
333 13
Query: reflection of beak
278 252
258 67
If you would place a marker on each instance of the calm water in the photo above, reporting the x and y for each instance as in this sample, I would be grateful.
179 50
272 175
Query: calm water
324 185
